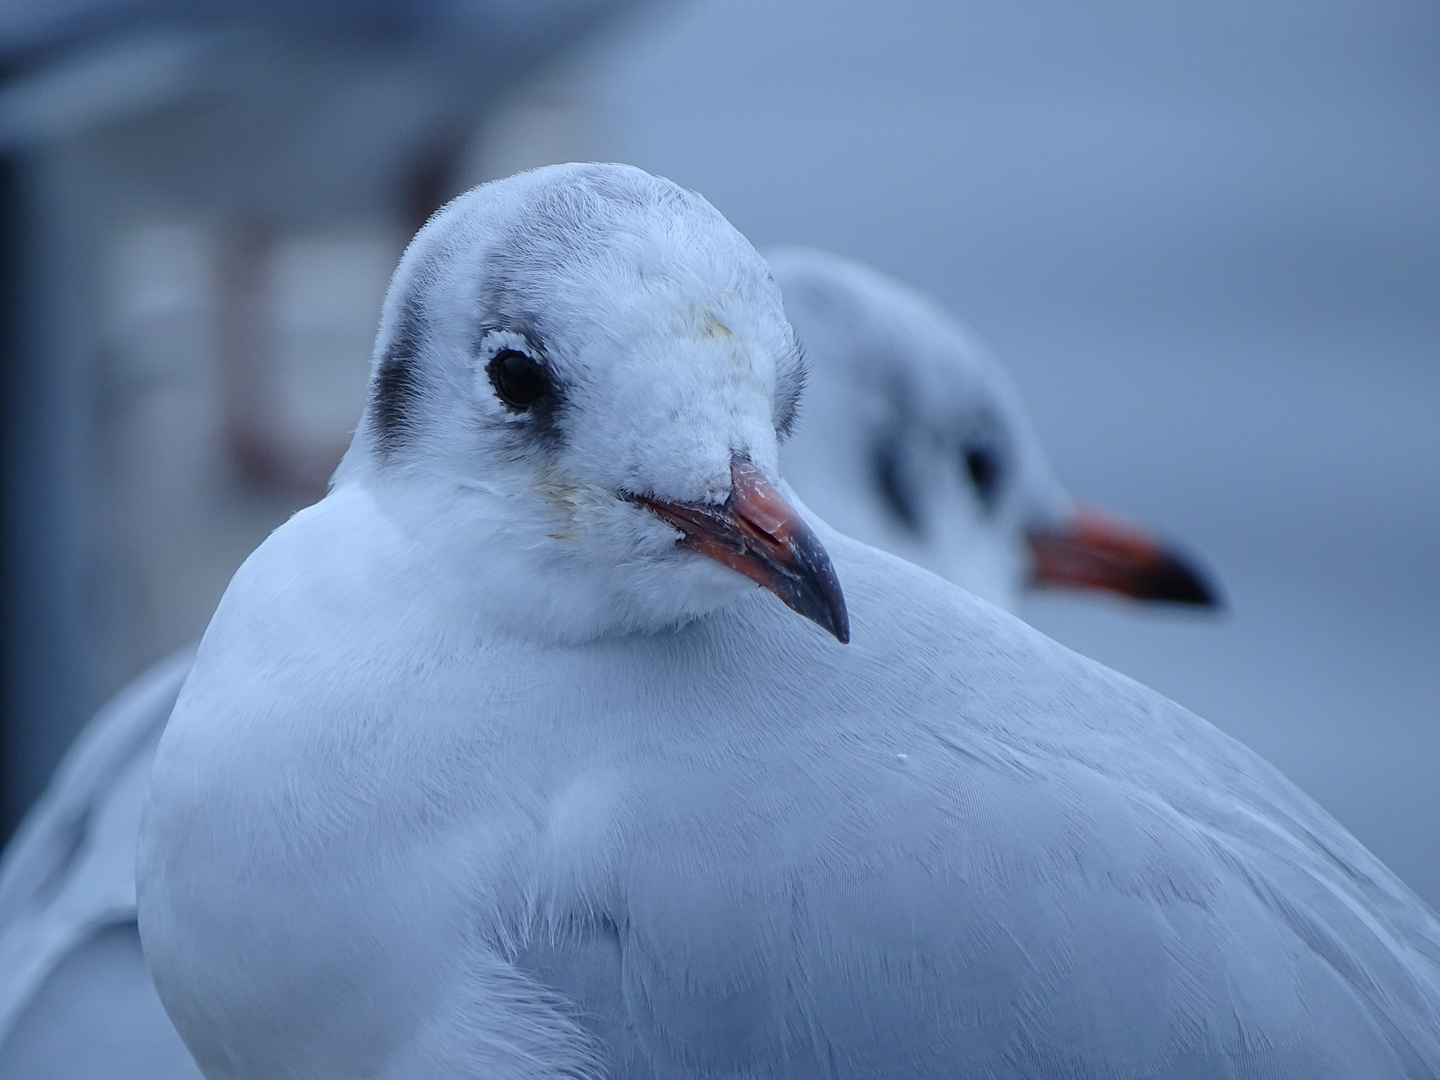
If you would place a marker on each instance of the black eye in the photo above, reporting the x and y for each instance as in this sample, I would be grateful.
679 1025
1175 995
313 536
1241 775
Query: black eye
982 464
519 381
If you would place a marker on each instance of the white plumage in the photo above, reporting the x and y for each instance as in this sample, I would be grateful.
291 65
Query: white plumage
481 773
872 345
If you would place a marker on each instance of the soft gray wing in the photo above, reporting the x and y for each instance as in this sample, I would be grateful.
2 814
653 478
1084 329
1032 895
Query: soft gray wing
1040 870
70 869
96 1016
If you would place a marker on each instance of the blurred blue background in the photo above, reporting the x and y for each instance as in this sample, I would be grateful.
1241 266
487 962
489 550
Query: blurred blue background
1204 236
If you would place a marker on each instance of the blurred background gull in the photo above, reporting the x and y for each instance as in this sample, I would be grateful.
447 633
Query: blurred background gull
1205 238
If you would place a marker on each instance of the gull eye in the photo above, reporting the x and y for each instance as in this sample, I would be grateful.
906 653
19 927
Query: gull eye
982 465
519 380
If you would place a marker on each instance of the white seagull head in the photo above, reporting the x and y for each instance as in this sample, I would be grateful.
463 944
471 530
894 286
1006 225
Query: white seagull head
913 438
578 390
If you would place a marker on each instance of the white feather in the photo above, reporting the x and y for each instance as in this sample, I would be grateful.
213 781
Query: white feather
476 775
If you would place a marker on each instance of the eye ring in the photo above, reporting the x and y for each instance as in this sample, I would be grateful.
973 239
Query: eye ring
519 380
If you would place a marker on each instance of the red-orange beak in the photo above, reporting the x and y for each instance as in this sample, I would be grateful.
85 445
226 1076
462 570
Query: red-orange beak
757 533
1096 551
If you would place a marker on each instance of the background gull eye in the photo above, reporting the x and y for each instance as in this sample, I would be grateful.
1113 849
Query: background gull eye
982 465
519 380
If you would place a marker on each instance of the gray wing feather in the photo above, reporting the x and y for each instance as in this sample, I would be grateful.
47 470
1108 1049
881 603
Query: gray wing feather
70 868
1062 875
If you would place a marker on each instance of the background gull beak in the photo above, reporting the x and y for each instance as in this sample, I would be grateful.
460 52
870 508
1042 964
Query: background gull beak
1093 550
757 533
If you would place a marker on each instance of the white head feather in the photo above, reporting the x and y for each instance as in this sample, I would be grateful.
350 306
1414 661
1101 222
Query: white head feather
589 270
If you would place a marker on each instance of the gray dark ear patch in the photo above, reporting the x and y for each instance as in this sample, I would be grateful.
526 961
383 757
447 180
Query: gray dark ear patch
789 387
984 458
395 389
892 481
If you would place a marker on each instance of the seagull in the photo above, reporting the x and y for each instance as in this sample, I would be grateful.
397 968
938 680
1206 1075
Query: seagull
497 762
912 438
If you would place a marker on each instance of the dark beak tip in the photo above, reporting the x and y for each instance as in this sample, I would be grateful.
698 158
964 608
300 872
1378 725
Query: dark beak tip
816 595
758 534
819 595
1178 581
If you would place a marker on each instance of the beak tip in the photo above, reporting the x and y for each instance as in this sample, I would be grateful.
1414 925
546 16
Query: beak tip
1178 581
758 534
820 598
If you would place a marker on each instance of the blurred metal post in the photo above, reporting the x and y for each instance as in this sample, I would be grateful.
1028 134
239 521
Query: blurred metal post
49 339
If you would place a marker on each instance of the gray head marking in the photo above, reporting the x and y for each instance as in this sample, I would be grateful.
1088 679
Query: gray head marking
565 357
394 390
571 261
789 389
